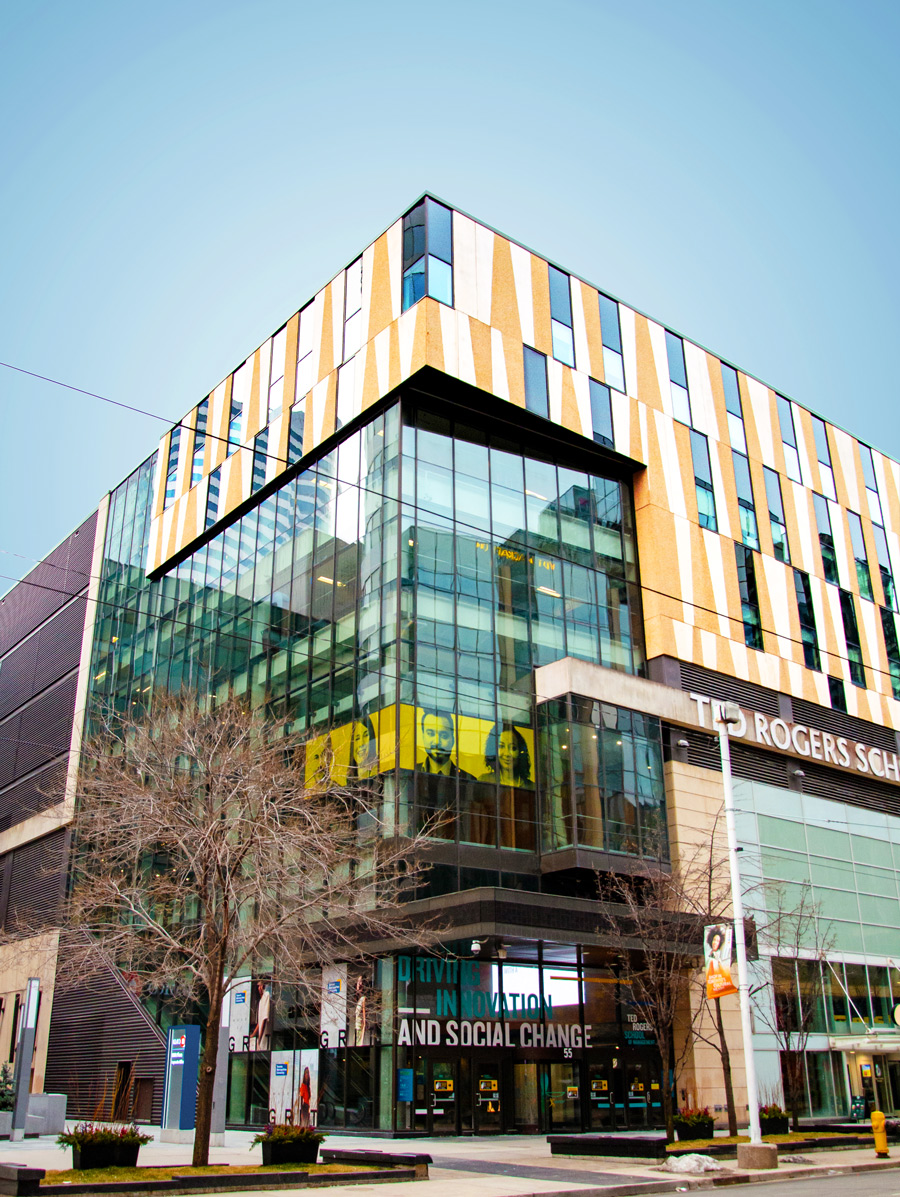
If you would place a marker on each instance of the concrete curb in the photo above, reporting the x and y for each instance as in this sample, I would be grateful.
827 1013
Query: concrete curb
682 1183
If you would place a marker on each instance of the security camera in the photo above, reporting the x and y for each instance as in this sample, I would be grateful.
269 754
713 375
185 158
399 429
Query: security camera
476 947
684 744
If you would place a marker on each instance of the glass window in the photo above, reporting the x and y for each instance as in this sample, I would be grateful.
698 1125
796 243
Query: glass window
172 464
610 333
820 433
776 515
732 391
295 434
427 253
199 442
859 555
260 457
440 280
851 635
536 382
240 394
276 375
414 284
440 231
601 414
706 503
826 540
746 506
681 403
889 628
561 317
789 438
808 633
884 566
836 694
733 408
753 636
212 496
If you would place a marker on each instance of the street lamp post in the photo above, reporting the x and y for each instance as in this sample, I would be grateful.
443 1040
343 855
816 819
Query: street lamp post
728 714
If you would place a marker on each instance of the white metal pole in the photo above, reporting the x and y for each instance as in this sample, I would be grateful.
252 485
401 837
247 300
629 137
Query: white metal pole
729 712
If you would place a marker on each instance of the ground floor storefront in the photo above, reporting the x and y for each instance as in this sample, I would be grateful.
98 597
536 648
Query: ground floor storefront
539 1039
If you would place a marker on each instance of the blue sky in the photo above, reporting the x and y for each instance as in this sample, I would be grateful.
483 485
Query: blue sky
179 177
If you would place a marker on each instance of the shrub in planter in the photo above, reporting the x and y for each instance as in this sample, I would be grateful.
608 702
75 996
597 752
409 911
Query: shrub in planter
7 1089
283 1143
104 1145
773 1120
694 1123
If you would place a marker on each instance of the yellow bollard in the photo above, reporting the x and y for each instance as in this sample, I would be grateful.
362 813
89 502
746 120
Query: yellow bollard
881 1147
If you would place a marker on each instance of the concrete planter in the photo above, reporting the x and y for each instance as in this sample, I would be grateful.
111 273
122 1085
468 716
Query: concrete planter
286 1152
105 1155
701 1129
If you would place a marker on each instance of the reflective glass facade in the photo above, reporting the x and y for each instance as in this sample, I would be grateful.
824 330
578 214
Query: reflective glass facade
396 596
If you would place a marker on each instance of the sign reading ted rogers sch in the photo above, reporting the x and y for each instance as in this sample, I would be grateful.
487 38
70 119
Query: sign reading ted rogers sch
800 740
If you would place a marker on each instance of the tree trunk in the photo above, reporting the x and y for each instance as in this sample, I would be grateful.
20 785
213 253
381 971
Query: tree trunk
668 1084
726 1071
206 1081
795 1081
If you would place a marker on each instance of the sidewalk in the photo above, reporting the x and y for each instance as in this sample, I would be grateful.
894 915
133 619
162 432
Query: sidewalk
504 1166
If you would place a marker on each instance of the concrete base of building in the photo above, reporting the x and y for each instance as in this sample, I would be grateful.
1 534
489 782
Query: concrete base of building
170 1134
217 1138
757 1155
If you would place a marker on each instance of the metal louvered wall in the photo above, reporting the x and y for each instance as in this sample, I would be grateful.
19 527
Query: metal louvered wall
32 882
41 630
754 764
93 1029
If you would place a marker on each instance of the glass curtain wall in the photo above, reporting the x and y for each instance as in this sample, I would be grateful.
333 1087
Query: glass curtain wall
394 598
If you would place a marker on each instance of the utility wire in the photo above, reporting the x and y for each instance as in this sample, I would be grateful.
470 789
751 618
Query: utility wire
283 461
184 623
142 412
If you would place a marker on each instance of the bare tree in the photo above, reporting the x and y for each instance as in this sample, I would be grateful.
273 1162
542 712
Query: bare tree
648 918
211 842
709 897
797 939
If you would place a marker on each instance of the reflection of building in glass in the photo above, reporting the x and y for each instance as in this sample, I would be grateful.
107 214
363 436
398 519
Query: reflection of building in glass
451 518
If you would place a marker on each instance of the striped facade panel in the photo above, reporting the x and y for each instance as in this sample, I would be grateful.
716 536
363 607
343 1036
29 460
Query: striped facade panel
93 1029
34 878
691 595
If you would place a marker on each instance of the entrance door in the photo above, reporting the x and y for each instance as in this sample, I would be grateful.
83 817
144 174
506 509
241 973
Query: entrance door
436 1094
637 1095
486 1097
563 1095
526 1108
600 1096
893 1072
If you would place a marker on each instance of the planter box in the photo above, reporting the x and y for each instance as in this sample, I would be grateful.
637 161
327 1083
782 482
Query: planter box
274 1152
699 1130
105 1155
646 1146
775 1126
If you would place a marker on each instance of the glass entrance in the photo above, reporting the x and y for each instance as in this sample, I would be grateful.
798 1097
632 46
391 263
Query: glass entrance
486 1098
526 1117
563 1096
600 1096
436 1094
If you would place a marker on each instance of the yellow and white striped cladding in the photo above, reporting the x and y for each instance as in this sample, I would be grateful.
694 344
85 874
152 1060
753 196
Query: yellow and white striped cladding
502 301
